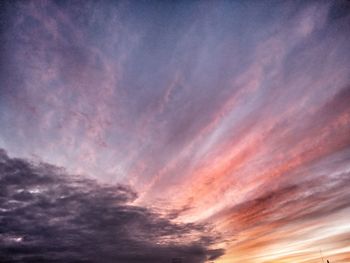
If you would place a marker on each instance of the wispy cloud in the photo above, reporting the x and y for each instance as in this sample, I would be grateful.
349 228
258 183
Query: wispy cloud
233 114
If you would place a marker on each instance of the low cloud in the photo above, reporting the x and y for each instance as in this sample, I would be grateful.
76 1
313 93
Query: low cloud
47 215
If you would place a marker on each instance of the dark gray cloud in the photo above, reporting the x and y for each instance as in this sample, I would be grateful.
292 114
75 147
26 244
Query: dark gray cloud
48 216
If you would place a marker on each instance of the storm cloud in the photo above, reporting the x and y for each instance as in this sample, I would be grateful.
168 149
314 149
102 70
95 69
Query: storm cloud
48 216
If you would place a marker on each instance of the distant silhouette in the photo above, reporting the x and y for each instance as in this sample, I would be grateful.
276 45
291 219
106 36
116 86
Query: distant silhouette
327 261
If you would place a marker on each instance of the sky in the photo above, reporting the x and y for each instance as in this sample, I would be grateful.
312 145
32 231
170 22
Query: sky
142 131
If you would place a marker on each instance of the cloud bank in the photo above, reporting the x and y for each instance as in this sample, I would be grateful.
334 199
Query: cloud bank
48 216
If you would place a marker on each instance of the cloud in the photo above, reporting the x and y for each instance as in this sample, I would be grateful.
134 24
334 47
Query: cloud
292 218
47 215
288 204
206 109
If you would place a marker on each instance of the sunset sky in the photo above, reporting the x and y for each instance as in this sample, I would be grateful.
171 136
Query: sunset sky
141 131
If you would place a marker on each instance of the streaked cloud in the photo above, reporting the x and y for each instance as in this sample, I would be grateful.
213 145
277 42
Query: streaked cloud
231 114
